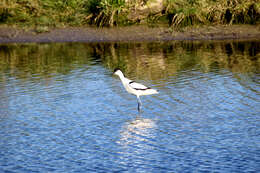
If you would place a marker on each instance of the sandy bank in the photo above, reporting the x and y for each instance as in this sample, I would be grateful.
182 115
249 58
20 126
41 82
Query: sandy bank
129 34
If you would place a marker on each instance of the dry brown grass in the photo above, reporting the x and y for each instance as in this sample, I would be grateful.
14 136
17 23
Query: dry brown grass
189 12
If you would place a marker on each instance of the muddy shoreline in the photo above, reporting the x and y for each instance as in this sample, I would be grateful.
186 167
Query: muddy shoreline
129 34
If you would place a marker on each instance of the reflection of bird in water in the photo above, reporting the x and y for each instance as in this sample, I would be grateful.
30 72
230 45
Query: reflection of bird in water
137 141
138 130
134 88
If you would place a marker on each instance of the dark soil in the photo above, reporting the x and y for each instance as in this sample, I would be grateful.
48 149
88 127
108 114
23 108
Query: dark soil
129 34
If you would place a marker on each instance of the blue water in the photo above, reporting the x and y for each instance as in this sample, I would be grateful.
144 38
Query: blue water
62 110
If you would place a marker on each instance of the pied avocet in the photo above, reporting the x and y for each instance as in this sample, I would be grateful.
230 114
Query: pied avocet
134 88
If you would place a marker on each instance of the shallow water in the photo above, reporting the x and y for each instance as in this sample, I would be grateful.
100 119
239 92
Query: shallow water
61 110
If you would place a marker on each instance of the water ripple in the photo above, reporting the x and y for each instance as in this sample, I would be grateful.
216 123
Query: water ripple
72 115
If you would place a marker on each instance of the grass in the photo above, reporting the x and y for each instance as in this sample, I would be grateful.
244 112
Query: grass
179 13
107 12
190 12
42 12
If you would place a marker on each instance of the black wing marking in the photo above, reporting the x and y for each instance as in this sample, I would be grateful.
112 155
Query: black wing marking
138 86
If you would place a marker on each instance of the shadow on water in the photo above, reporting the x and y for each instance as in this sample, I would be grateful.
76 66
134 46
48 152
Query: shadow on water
61 110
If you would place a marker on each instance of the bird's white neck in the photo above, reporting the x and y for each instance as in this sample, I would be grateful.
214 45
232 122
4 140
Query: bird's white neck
121 75
122 78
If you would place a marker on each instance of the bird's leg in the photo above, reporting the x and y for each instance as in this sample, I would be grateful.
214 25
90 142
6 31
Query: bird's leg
139 104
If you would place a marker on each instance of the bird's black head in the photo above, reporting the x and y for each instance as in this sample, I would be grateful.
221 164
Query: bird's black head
116 69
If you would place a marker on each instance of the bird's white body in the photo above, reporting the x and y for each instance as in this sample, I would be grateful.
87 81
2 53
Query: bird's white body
135 88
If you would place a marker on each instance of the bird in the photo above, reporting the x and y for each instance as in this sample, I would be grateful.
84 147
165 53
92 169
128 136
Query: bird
134 88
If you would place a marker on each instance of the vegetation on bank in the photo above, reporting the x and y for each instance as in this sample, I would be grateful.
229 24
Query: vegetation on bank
176 13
